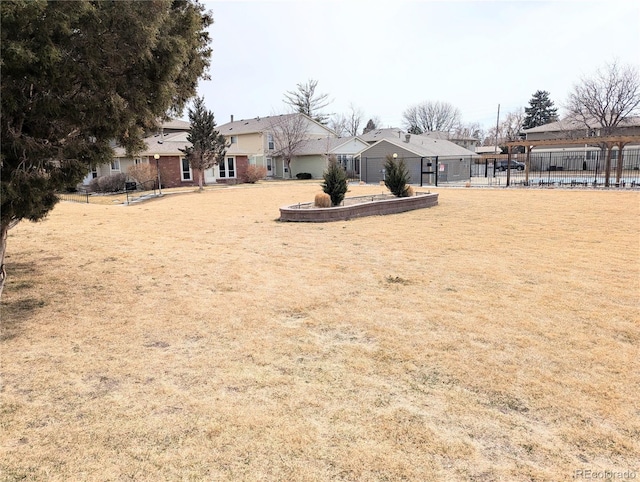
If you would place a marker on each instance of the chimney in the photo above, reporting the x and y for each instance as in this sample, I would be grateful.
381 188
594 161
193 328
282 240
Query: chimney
231 117
407 137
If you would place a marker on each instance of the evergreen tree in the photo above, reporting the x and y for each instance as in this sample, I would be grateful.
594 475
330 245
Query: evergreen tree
208 146
335 182
396 176
79 75
371 126
540 111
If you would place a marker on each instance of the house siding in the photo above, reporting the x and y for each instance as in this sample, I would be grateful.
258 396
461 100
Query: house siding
450 168
314 165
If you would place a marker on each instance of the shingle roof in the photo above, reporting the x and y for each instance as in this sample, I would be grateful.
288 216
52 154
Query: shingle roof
377 134
249 126
425 147
165 145
420 145
572 125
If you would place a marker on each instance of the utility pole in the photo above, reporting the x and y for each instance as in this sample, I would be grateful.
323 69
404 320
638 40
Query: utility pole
497 124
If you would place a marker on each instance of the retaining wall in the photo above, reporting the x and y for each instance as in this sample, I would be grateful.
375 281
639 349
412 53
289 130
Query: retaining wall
377 207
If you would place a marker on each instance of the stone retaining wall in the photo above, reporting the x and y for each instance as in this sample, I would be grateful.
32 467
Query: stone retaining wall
380 207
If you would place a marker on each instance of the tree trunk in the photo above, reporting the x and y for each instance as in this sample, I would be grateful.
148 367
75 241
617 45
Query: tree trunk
201 180
289 168
607 168
620 162
4 231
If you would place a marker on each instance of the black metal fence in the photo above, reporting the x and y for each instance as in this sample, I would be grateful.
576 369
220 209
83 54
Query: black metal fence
131 189
563 168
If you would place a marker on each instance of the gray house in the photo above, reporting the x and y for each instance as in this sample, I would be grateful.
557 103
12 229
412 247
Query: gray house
426 158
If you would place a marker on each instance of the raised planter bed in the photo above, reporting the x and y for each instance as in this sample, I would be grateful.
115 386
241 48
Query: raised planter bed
356 207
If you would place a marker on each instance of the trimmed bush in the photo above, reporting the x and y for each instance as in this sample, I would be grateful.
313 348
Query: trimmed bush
304 175
335 181
112 183
322 200
254 174
396 176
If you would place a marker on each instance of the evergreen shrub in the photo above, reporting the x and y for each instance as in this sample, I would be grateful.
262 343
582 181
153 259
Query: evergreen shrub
335 182
396 177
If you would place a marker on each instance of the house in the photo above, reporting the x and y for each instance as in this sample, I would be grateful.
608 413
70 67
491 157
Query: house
585 155
313 156
571 129
469 143
121 162
256 142
425 157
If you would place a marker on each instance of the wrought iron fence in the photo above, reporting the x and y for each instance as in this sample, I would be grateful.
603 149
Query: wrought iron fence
132 190
564 168
76 197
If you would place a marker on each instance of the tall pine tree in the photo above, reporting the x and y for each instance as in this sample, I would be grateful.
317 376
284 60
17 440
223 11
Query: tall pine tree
77 76
208 146
540 111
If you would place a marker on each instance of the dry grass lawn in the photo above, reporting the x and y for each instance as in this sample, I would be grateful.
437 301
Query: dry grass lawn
493 337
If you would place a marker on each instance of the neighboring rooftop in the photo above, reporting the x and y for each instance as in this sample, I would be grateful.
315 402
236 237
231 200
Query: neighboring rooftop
249 126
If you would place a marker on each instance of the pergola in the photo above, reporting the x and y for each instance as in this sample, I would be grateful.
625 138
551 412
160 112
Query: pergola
604 142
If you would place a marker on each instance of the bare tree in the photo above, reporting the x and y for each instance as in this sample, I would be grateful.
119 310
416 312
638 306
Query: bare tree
349 124
340 124
431 116
469 131
306 101
289 136
602 102
508 130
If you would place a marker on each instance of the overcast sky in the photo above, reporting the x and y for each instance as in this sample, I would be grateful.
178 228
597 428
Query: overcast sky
385 56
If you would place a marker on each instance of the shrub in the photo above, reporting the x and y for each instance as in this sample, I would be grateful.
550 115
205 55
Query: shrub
255 174
93 185
396 176
322 200
304 175
112 183
410 191
142 173
335 181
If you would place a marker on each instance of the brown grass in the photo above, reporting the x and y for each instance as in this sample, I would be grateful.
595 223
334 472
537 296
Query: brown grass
493 337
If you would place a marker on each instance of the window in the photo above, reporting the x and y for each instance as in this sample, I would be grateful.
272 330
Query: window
270 144
234 139
137 161
227 168
115 165
185 169
94 172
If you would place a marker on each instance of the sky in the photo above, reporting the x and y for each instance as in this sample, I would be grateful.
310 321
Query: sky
385 56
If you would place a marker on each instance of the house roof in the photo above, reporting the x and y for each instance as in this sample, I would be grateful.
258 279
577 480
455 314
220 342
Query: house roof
260 124
572 125
447 136
421 145
426 147
176 124
168 144
377 134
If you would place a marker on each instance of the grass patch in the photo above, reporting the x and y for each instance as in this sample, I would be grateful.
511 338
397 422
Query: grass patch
195 338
